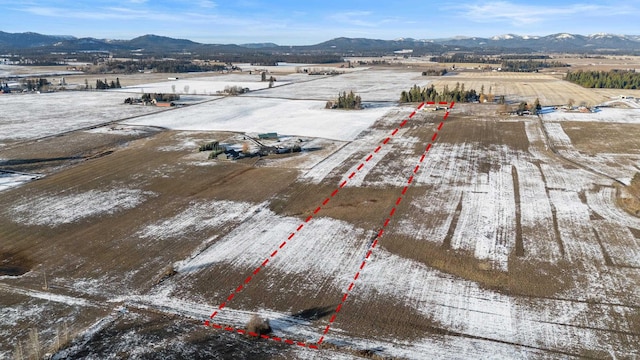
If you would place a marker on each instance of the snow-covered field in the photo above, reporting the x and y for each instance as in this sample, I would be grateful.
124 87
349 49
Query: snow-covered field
209 85
603 115
372 86
32 116
258 115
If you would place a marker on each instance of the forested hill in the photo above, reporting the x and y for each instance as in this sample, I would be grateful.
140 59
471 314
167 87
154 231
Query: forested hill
598 43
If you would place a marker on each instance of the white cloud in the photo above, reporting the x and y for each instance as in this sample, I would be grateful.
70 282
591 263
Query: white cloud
520 14
206 4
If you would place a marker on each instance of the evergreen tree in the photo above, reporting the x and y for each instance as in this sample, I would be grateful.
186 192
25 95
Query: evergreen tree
522 107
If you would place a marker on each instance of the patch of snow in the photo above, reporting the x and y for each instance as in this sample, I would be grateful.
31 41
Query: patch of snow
197 217
263 232
575 227
487 221
323 168
557 135
73 301
120 130
10 180
536 217
55 210
565 36
603 202
503 37
184 143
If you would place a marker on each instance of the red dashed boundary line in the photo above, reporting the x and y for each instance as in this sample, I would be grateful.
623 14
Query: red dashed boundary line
384 226
209 322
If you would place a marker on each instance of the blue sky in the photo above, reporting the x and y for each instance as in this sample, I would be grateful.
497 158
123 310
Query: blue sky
310 22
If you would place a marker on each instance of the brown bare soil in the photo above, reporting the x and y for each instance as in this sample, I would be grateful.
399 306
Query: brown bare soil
61 151
488 131
364 207
84 248
594 138
628 197
519 248
524 277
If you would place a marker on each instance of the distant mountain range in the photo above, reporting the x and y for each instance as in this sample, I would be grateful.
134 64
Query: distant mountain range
562 42
153 44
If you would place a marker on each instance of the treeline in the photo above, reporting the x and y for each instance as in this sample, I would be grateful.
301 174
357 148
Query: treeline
614 79
434 72
530 65
35 84
512 63
160 97
458 94
168 66
525 57
103 85
465 58
265 58
346 101
484 59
